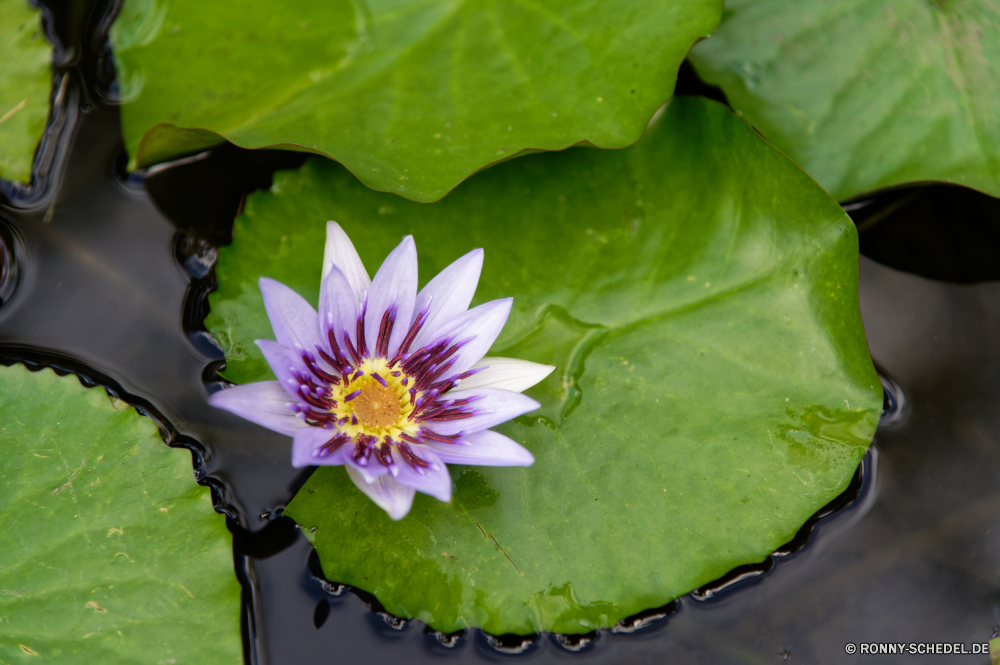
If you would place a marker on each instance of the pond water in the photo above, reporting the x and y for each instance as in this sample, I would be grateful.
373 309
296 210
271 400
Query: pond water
108 281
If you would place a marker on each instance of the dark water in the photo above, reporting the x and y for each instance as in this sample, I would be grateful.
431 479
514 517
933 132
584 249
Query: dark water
108 280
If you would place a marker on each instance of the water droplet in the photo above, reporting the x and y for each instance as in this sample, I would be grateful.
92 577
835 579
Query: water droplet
751 73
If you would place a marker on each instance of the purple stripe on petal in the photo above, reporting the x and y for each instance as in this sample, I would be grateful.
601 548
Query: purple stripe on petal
395 285
427 434
338 312
293 319
404 347
307 441
390 496
265 403
475 331
433 479
448 294
495 407
340 252
485 448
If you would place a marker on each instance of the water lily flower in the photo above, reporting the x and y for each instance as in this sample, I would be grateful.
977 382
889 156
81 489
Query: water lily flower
387 381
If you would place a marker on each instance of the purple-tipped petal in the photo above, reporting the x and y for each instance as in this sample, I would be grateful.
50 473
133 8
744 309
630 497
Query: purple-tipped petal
338 310
286 364
478 328
265 403
340 252
434 480
394 289
485 448
308 440
506 374
492 408
292 318
392 497
448 294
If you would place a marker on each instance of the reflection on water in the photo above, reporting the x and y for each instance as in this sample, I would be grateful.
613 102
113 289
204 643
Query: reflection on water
893 402
10 262
107 285
938 231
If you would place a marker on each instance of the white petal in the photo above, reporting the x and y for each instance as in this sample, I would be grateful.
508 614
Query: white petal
293 319
340 252
305 443
506 374
494 407
394 287
338 310
434 480
265 403
390 496
448 294
485 448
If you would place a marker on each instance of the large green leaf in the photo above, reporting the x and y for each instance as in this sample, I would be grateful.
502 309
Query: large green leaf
413 96
25 80
698 294
111 552
867 94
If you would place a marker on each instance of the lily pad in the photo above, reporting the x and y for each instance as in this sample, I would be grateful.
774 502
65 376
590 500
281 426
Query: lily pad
698 293
25 81
412 96
112 553
866 95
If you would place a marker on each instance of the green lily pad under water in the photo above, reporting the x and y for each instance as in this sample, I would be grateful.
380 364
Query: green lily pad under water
698 294
111 551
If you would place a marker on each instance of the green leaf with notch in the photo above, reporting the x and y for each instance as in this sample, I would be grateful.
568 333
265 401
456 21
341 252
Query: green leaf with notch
25 81
412 96
698 294
112 553
866 95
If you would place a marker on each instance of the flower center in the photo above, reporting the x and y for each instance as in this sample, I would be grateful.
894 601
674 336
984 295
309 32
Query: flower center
377 406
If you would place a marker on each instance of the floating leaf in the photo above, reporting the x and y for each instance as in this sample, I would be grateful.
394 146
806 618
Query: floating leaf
111 550
698 294
25 80
865 95
412 96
